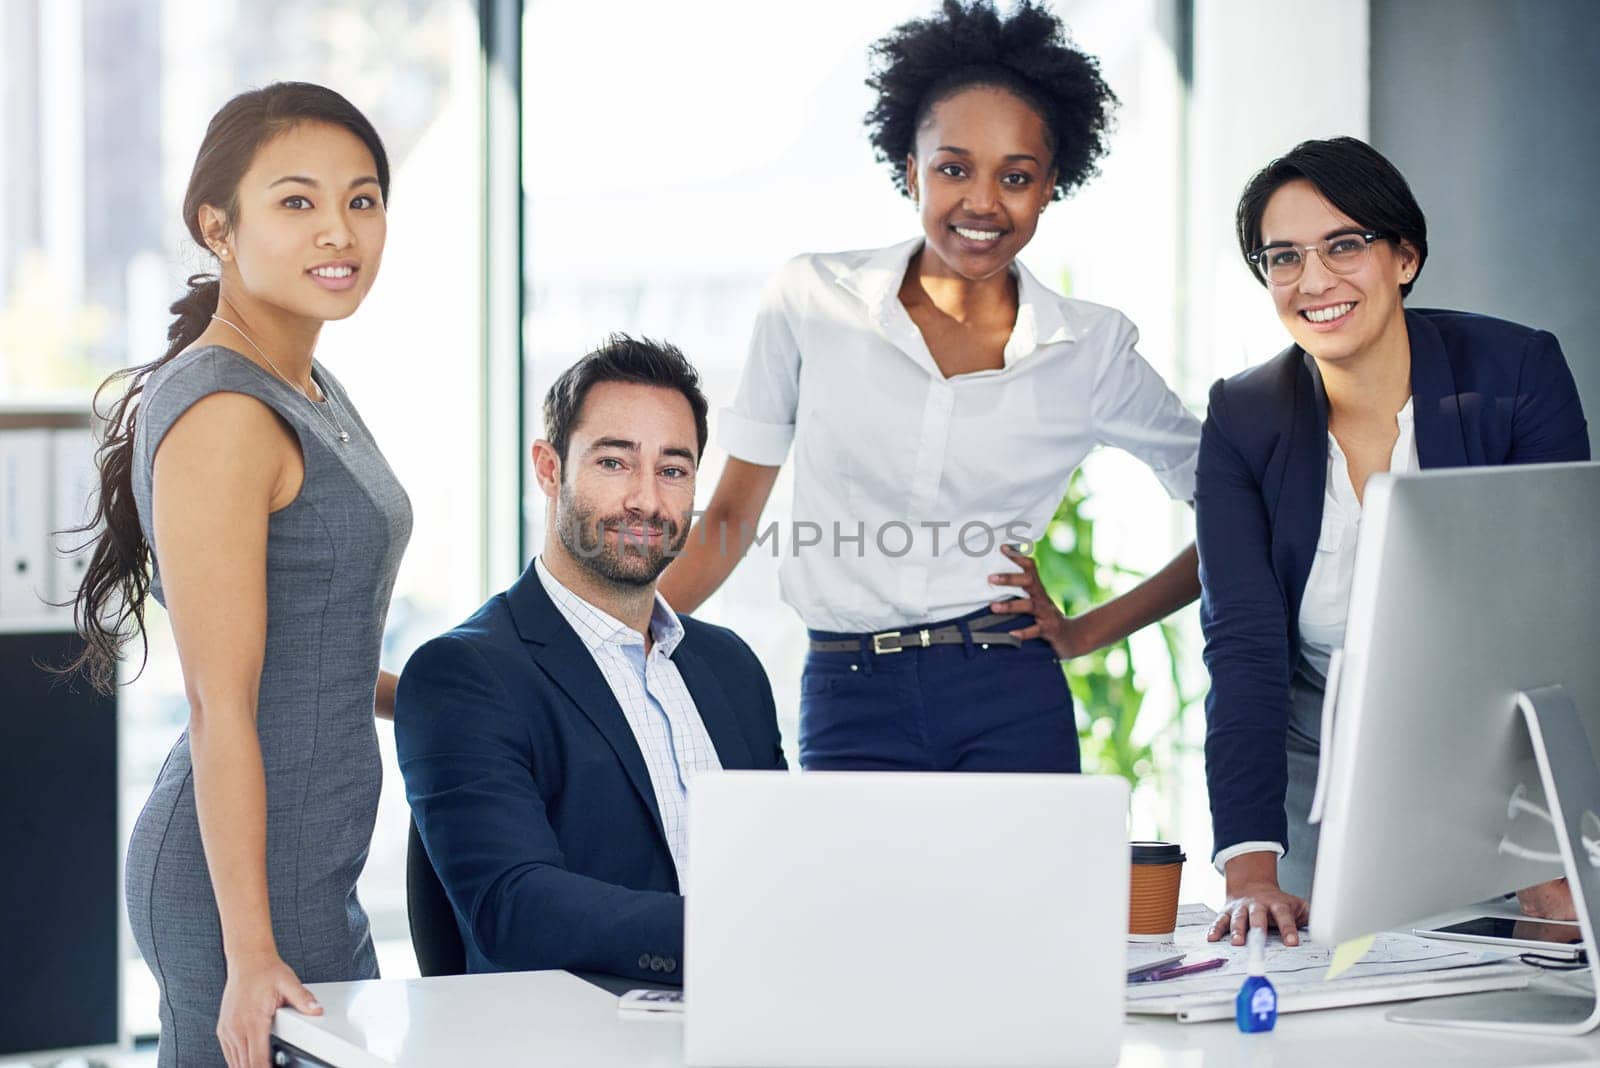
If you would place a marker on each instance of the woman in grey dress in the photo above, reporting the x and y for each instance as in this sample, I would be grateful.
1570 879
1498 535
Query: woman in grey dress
242 490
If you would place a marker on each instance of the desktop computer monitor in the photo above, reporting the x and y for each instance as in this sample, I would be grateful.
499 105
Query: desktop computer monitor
1468 683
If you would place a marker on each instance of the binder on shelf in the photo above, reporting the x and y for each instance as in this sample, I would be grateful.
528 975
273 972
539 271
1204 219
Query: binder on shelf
73 481
24 523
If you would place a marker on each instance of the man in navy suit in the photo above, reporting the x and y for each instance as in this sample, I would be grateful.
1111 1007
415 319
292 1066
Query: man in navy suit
547 743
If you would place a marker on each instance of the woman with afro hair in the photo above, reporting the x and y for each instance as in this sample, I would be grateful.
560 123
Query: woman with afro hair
938 398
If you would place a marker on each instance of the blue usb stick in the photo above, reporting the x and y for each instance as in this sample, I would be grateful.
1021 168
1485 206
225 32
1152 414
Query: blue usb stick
1256 1008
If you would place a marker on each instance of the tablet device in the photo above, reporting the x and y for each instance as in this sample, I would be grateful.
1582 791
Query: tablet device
1555 938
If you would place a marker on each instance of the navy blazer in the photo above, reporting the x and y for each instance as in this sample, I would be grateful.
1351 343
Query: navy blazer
1484 392
532 796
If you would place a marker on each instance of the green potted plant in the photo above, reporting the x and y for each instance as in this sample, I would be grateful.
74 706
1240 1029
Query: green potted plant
1105 684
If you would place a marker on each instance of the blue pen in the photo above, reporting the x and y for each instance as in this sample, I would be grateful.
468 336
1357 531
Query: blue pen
1172 971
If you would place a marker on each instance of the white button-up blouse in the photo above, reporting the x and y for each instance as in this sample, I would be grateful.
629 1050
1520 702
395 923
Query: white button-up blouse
906 482
1326 601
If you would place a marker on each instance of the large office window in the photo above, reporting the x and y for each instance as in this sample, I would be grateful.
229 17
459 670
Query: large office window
105 102
667 177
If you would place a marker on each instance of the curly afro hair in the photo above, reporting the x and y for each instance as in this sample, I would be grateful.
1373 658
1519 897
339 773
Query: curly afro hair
925 61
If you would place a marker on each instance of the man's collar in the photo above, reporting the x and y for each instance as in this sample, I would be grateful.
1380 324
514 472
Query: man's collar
597 627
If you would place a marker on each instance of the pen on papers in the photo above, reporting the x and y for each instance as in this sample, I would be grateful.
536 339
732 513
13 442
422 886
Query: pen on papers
1175 970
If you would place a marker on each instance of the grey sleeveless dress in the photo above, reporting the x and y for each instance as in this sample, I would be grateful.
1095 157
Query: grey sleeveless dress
332 555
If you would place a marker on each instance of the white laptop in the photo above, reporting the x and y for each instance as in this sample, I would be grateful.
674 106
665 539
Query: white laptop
861 919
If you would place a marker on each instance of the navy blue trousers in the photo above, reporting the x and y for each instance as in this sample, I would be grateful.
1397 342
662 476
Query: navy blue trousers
943 708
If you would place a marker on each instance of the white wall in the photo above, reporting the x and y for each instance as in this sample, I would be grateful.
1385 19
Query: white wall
1239 119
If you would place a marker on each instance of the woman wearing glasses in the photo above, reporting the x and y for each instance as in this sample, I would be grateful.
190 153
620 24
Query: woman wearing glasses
938 397
1334 234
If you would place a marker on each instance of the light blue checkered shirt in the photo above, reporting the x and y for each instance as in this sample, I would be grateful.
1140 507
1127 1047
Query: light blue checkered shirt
657 704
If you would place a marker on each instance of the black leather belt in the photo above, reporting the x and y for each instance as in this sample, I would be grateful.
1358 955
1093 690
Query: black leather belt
894 641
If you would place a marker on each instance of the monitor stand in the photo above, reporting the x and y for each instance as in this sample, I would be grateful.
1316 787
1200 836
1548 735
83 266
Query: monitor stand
1572 789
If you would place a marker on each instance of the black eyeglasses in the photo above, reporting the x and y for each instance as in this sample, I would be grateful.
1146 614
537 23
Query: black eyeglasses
1282 264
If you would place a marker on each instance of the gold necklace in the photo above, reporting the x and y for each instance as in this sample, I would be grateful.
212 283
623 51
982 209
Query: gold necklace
333 424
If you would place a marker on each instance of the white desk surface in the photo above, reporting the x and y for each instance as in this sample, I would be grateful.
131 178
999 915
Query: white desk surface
554 1018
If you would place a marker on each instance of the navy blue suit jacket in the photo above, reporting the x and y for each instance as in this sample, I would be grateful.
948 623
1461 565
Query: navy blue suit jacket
531 794
1484 392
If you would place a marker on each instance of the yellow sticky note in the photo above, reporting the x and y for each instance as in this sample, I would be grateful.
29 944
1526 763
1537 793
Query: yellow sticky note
1347 955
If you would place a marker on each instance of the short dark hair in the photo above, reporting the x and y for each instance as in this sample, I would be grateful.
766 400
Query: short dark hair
1355 178
925 61
621 359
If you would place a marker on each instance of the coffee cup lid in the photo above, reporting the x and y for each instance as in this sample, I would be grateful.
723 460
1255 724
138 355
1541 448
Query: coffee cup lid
1158 853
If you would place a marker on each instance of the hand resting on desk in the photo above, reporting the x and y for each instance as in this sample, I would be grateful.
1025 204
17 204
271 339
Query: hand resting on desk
1256 900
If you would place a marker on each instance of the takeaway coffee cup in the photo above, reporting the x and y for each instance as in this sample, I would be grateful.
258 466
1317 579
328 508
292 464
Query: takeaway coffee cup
1153 891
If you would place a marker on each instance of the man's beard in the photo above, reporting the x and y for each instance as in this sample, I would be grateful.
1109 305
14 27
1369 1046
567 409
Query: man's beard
624 560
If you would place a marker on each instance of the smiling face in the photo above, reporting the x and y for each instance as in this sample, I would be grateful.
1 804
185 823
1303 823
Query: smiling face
981 174
1335 316
624 494
310 227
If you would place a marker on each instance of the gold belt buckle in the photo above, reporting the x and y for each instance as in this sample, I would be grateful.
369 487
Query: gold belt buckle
878 640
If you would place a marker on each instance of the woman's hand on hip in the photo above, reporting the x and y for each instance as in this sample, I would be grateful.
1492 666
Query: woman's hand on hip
1256 900
1068 636
257 985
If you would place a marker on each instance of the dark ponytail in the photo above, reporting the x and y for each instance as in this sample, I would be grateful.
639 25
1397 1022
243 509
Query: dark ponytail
117 580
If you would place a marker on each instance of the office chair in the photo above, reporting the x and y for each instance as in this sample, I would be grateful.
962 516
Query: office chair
434 935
